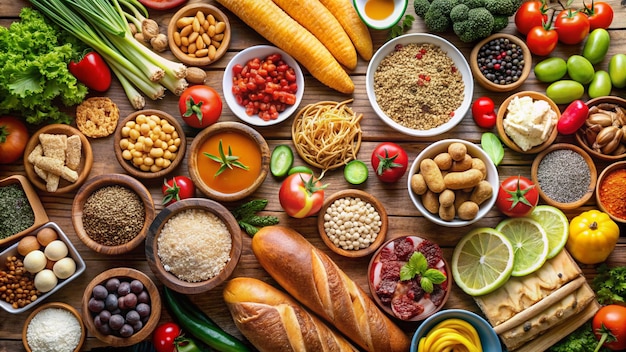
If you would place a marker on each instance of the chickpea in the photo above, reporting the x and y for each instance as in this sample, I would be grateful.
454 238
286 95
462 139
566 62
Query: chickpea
127 155
147 143
125 131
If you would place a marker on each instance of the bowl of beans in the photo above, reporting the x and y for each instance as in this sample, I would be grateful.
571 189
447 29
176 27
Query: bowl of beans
352 223
419 84
111 213
20 201
603 135
610 190
54 324
198 34
193 245
149 144
263 73
453 183
501 62
121 306
565 176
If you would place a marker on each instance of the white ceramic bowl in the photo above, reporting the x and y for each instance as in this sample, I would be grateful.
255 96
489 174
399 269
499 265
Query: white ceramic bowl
475 151
260 51
452 52
377 21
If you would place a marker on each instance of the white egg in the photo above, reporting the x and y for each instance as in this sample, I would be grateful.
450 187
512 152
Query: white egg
64 268
35 261
45 280
56 250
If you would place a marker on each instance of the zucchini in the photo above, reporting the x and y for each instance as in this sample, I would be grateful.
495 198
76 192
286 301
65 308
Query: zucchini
281 160
355 172
300 169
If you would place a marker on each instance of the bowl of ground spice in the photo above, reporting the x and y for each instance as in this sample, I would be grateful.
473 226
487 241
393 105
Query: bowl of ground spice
564 175
419 84
54 327
111 213
611 191
501 62
21 210
193 245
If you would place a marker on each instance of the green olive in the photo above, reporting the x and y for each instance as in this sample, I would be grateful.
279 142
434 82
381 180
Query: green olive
597 45
617 70
580 69
565 91
601 85
551 69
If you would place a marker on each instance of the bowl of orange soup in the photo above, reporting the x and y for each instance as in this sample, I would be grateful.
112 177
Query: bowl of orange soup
228 161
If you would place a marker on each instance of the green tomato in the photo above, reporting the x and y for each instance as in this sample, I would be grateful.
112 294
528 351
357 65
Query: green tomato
600 86
551 69
597 45
580 69
565 91
617 70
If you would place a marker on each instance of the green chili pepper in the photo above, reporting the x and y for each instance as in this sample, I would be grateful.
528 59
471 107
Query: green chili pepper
185 344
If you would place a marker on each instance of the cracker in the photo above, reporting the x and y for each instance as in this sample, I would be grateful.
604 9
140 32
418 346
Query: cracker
37 152
54 145
73 152
97 117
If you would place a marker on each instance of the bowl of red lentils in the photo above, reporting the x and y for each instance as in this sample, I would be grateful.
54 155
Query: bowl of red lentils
352 223
111 213
611 191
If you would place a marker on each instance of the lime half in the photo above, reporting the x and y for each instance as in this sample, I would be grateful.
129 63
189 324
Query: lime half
530 244
482 261
556 225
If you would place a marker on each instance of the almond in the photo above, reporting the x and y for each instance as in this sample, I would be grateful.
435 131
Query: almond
195 75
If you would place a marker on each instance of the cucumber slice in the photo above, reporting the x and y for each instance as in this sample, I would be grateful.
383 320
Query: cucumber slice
300 169
281 160
355 172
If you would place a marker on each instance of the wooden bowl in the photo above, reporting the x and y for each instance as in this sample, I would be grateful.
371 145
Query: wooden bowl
502 112
129 167
580 134
374 274
155 305
621 165
60 324
86 160
152 247
40 216
592 172
97 183
366 197
200 165
492 86
190 11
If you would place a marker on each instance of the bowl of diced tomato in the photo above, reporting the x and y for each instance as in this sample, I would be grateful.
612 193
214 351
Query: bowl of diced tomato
263 85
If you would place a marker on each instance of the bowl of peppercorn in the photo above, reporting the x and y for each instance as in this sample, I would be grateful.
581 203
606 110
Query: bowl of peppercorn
500 62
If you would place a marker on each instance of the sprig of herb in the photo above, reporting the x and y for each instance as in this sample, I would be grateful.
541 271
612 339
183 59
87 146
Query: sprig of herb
247 218
492 145
418 265
401 27
226 161
610 284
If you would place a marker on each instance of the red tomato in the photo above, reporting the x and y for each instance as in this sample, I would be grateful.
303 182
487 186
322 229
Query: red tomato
529 15
200 106
600 15
179 187
517 196
301 195
572 26
162 4
13 139
609 326
164 337
484 113
541 41
389 161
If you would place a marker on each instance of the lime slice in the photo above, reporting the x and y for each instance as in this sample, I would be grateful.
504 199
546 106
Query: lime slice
556 225
482 261
530 244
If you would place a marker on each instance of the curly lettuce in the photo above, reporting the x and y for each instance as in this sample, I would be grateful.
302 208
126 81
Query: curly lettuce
34 78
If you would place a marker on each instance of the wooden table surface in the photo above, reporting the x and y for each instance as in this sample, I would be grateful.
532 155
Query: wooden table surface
403 216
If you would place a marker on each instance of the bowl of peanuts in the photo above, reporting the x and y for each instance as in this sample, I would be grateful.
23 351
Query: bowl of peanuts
453 183
150 144
198 34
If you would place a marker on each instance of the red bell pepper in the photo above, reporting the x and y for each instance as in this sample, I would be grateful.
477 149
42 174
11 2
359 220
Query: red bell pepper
573 117
92 71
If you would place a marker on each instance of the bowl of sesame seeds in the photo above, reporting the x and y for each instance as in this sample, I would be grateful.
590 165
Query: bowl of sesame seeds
501 62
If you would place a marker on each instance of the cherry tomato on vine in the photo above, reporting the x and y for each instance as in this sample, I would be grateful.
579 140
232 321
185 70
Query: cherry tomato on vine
572 26
600 14
177 188
609 326
200 106
164 337
517 196
389 161
529 15
301 195
484 113
13 139
542 41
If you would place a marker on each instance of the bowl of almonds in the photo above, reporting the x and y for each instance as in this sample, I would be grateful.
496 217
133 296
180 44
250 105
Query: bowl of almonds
603 135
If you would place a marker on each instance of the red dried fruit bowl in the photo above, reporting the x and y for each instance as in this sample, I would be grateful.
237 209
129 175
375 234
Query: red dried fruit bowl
388 259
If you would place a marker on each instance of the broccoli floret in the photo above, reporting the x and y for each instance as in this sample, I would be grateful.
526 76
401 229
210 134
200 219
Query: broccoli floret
501 7
421 6
444 6
459 13
499 23
437 21
478 25
472 4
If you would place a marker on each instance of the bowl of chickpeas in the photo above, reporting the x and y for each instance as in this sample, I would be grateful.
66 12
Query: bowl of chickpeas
150 144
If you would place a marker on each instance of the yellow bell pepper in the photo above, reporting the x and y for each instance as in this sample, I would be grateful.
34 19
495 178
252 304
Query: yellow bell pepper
592 237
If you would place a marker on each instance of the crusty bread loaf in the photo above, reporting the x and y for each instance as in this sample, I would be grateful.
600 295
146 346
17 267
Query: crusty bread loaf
310 276
273 321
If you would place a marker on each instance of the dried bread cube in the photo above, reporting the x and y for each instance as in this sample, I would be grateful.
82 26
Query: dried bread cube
73 152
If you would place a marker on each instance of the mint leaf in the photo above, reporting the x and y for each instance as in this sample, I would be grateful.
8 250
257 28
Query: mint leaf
416 265
435 276
426 284
492 145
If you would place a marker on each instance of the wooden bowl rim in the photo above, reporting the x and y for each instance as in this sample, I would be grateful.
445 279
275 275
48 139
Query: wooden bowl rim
41 217
155 306
131 169
227 126
387 309
191 9
104 180
483 81
502 110
610 168
84 168
596 101
59 305
592 171
367 197
170 280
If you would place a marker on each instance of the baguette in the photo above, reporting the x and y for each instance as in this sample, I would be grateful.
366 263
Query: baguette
310 276
273 321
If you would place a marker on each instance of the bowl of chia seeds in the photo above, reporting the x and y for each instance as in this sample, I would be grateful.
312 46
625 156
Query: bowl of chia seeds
501 62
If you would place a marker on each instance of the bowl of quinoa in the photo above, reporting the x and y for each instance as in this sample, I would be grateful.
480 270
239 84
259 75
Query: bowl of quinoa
419 84
193 245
